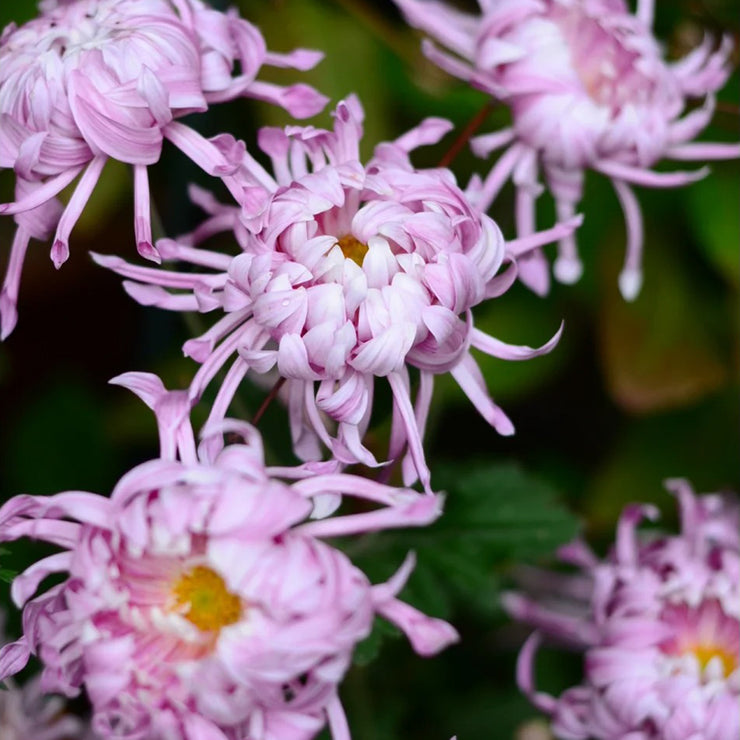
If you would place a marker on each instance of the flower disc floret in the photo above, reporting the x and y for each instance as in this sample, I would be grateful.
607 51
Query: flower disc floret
660 633
200 600
588 88
89 80
350 273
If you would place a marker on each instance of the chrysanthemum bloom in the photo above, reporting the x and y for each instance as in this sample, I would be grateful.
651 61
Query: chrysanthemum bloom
89 80
201 602
354 272
588 88
28 714
659 625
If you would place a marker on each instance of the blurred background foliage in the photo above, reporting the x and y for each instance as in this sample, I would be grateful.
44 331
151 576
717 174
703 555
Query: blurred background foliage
633 394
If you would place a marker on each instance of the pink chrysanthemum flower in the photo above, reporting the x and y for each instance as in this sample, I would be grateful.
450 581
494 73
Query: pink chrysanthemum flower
349 273
89 80
27 713
201 602
659 624
588 88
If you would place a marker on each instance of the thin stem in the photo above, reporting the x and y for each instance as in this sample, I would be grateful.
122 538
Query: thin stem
375 22
729 108
465 135
271 396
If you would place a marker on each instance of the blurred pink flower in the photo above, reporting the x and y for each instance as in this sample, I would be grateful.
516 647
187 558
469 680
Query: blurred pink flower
200 601
347 273
588 88
27 713
659 624
89 80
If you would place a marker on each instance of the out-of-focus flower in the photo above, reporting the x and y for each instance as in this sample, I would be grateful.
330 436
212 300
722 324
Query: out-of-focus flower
27 713
349 273
535 729
200 601
89 80
588 88
659 624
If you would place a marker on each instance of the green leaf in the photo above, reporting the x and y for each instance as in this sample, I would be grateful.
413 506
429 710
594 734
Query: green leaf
494 514
499 512
7 575
369 649
714 220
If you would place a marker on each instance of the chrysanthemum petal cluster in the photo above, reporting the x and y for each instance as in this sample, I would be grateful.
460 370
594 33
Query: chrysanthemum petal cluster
588 88
200 600
347 273
658 621
90 80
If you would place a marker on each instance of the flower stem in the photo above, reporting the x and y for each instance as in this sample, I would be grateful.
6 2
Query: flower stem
271 396
465 135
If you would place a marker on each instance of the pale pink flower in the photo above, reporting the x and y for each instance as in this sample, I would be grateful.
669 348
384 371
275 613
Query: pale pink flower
89 80
27 713
349 273
659 624
200 601
588 88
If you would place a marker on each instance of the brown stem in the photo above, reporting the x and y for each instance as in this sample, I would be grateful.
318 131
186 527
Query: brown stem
465 135
730 108
271 396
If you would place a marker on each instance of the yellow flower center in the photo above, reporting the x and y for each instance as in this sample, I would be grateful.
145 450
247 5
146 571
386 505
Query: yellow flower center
704 652
352 248
202 597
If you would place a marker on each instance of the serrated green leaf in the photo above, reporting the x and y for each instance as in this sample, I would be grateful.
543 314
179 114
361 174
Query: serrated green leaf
494 514
498 511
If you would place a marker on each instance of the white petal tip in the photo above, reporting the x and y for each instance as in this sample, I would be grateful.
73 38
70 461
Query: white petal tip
630 283
105 260
148 251
513 604
59 253
8 316
504 427
197 349
567 271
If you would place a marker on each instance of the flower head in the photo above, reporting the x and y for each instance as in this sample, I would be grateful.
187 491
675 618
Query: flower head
26 712
588 88
89 80
349 272
200 600
659 625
